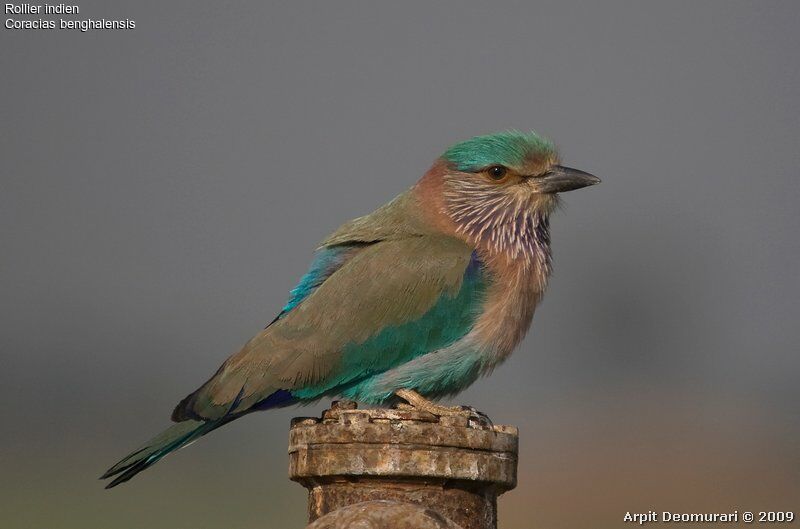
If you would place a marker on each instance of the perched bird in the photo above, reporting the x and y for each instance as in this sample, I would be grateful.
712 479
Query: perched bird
412 302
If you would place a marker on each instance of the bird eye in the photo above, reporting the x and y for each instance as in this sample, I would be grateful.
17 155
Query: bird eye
497 172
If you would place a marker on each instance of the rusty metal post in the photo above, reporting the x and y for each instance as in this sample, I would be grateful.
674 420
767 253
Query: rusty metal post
408 465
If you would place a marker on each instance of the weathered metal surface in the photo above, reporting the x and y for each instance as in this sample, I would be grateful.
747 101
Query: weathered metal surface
453 465
472 506
382 514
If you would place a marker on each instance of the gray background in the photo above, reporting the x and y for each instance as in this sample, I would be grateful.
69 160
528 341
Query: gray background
163 188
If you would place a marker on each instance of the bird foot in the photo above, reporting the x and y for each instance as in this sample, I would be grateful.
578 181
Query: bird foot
415 401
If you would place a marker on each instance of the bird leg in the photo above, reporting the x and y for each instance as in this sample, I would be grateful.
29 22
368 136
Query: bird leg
419 402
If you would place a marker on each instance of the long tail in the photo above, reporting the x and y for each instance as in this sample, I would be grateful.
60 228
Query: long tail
173 438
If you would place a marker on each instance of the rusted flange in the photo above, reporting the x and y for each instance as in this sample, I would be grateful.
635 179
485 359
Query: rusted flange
402 443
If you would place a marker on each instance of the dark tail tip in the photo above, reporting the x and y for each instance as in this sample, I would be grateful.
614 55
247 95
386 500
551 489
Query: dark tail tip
171 439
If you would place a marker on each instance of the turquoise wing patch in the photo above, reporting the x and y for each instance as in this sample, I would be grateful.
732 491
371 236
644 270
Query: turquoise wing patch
449 320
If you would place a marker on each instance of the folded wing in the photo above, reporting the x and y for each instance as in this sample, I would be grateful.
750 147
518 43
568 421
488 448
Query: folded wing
383 303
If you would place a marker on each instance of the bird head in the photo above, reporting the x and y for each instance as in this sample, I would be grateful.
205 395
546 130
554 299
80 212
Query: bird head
499 190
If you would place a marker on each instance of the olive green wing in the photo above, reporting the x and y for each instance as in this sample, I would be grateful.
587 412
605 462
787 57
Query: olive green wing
385 304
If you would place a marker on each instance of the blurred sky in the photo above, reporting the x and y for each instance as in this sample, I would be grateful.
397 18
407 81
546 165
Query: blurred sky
163 188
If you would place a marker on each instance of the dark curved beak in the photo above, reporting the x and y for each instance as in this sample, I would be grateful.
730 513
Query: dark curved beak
560 179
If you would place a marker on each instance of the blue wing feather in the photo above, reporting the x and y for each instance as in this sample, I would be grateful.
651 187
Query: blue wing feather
327 260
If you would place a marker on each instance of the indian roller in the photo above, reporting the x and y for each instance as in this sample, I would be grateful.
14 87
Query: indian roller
412 302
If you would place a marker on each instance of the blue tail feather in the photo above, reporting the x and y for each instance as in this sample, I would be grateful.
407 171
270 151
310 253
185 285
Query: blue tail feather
171 439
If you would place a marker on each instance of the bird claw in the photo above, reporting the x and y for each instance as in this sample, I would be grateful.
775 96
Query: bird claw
477 416
415 401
